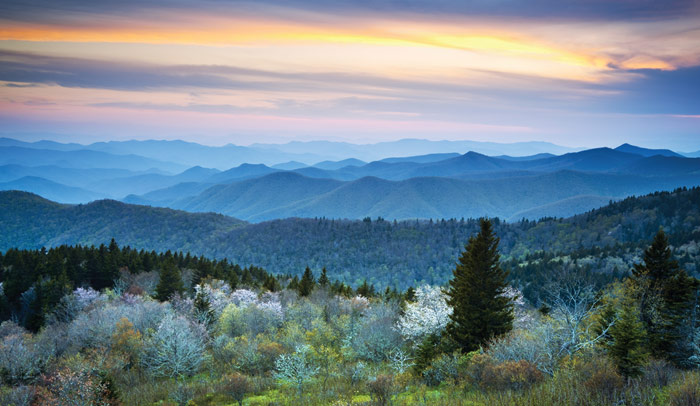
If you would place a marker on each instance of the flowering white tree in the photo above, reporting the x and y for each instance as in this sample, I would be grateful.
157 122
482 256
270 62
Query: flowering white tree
176 349
296 368
429 314
244 297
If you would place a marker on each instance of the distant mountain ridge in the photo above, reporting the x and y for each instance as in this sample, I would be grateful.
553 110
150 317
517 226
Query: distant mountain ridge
427 185
310 152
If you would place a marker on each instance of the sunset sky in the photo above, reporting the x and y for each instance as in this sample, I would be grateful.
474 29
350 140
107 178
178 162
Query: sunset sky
577 72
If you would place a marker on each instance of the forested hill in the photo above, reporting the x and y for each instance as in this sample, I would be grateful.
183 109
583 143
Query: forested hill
30 221
398 254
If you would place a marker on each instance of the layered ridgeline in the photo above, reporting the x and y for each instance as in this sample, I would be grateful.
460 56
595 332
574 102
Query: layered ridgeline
386 253
434 185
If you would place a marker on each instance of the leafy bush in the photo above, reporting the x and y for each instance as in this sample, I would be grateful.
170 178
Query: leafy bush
514 375
685 391
600 378
236 386
381 389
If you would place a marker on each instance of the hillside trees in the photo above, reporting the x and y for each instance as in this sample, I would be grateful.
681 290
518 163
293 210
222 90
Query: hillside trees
666 298
176 349
307 283
481 311
170 281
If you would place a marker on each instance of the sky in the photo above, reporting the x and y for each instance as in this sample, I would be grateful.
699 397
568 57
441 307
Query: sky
580 73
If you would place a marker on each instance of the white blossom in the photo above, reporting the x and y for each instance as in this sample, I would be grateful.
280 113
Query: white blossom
244 297
428 315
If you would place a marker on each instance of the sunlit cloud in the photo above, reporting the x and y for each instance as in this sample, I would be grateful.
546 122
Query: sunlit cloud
445 69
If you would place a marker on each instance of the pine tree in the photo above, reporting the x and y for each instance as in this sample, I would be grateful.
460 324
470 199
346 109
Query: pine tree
203 310
271 284
627 341
294 283
480 310
665 294
307 283
365 290
323 281
426 351
247 278
170 281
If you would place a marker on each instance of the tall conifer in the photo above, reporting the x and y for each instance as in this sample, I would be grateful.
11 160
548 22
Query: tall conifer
480 310
170 280
665 297
307 283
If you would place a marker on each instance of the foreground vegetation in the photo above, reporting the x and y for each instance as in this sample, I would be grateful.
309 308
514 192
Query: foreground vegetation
112 326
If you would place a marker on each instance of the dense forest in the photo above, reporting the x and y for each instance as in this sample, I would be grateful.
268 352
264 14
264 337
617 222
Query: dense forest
113 325
602 243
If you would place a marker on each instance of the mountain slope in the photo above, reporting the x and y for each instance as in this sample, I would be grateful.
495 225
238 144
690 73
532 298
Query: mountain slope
52 190
82 159
632 149
386 253
288 194
30 221
245 199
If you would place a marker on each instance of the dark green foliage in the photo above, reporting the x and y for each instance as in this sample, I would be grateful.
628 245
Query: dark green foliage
170 281
307 283
42 277
628 342
293 283
427 350
666 299
366 289
272 284
481 312
410 295
202 306
323 280
386 253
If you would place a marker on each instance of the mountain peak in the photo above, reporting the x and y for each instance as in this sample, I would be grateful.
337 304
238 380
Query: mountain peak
645 152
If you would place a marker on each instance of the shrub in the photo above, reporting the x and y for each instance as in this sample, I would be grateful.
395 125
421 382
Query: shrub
685 391
444 368
17 396
658 373
601 378
67 387
236 386
478 362
20 359
513 375
381 389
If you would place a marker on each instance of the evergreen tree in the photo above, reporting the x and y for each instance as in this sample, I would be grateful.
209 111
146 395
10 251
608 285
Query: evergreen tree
307 283
480 310
294 283
426 351
410 295
170 280
323 281
665 294
247 278
203 310
365 289
270 283
627 343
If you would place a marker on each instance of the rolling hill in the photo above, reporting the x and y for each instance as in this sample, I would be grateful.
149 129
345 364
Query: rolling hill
28 220
385 252
52 190
289 194
82 159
